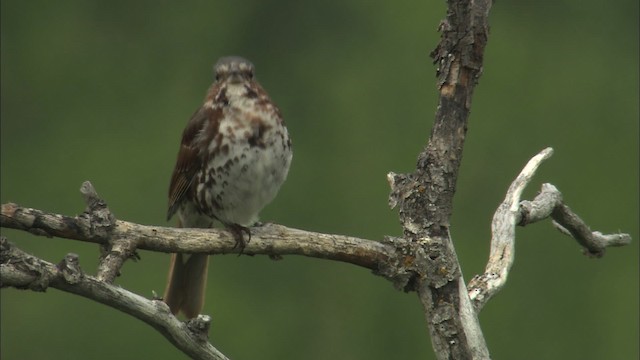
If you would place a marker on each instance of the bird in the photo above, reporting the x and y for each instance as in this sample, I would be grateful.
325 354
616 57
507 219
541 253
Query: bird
234 155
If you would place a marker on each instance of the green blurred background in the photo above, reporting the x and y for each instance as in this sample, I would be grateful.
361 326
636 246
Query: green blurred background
101 90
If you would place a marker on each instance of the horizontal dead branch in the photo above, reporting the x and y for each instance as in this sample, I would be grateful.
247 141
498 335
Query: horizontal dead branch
120 240
267 239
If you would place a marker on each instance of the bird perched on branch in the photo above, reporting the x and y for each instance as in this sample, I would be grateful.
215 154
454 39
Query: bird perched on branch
234 155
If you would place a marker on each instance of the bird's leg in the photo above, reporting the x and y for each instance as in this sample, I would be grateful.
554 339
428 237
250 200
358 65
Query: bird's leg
239 232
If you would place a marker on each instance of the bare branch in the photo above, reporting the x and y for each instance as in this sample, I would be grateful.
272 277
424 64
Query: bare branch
21 270
594 242
114 256
267 239
503 230
101 223
513 212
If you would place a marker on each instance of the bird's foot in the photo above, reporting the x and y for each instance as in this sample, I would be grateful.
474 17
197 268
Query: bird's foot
239 233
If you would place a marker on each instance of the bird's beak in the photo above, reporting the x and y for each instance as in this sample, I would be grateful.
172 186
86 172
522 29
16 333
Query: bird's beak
235 77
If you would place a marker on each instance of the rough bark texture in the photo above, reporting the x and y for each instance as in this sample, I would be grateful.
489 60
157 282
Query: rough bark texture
426 195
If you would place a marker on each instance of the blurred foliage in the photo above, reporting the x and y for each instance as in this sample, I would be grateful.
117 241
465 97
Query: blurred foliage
100 91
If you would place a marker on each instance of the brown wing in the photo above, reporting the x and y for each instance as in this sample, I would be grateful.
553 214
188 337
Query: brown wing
189 160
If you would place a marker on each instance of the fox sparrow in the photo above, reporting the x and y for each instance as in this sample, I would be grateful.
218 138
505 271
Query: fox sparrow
234 155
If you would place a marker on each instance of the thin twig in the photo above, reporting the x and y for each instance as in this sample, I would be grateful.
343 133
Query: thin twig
593 242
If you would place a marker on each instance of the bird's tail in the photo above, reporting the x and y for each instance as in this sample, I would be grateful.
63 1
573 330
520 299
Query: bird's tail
186 284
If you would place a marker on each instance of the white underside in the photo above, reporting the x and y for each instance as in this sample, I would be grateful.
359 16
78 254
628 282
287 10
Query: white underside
251 182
